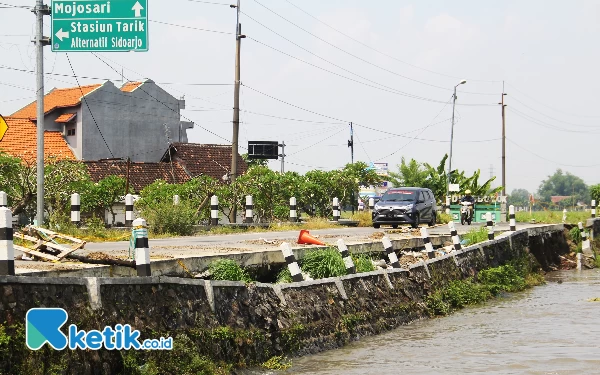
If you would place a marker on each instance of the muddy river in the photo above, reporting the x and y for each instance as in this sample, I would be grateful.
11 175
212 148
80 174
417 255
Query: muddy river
551 329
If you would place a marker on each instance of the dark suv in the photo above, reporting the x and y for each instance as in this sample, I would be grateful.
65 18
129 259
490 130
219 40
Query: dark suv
407 205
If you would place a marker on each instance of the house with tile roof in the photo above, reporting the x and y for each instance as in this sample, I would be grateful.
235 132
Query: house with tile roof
202 159
138 120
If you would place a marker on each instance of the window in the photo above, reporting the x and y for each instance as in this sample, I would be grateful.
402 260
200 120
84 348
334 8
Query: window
71 131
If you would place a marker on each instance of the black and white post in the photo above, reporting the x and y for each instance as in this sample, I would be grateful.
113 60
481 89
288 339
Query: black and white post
512 218
293 210
389 252
455 237
490 226
350 268
142 248
427 243
3 199
214 210
176 200
128 210
75 209
7 251
594 209
292 264
371 204
585 242
336 209
249 210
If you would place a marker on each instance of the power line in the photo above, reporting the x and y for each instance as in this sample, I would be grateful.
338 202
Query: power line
150 95
190 27
314 144
552 161
384 88
549 106
6 5
546 125
83 98
552 118
421 132
383 53
207 2
358 57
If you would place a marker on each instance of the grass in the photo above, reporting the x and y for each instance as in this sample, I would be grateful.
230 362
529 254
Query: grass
513 277
443 218
277 363
227 269
476 235
324 263
553 217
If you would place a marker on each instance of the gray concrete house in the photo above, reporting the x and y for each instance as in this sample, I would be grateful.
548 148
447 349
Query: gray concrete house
138 120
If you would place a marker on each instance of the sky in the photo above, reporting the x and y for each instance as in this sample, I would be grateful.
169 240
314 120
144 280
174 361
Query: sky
309 68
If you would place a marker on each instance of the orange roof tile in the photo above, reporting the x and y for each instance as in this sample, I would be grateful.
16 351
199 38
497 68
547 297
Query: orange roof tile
57 98
130 86
63 119
21 139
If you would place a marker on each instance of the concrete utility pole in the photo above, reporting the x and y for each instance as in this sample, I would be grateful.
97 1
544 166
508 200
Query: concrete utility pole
503 142
236 106
40 11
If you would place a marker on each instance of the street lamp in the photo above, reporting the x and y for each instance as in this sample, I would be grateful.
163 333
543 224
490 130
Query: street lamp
452 136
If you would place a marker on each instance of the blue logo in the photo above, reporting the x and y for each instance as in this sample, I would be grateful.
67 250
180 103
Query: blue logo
43 326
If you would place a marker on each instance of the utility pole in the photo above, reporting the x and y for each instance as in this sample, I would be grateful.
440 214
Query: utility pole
351 145
236 107
452 138
503 142
282 155
40 11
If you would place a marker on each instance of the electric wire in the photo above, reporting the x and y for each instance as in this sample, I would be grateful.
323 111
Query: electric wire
551 161
383 53
83 98
546 125
355 56
553 118
316 143
190 27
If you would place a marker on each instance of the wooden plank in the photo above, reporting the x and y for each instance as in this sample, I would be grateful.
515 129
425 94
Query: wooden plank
36 253
59 235
40 242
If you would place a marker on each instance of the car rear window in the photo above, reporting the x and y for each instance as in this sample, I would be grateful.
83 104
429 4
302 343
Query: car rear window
399 196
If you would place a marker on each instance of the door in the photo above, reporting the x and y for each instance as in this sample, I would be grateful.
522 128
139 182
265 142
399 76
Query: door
424 206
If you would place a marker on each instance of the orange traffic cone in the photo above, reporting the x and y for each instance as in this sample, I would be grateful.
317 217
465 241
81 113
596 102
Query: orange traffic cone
306 239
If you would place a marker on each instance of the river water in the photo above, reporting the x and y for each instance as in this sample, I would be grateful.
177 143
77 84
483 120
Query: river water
551 329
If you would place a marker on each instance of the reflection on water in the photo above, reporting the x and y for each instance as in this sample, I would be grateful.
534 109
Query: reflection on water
551 329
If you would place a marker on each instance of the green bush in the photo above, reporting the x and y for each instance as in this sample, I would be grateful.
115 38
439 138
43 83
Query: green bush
226 269
321 264
501 279
476 235
167 218
363 263
575 235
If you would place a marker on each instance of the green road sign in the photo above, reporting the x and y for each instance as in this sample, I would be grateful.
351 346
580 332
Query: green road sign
99 26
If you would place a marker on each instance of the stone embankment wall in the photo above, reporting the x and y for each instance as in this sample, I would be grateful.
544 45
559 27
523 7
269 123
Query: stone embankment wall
248 324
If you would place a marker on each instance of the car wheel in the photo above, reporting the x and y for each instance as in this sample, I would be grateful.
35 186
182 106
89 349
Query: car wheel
395 226
415 224
376 226
433 220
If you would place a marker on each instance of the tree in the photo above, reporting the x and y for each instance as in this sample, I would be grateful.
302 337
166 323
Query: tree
595 193
519 198
564 184
254 162
411 174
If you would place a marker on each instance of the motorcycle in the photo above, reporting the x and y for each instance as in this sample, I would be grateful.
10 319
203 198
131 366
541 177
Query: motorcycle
466 212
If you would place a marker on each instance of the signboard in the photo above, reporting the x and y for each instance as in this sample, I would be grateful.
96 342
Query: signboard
99 26
3 127
263 150
381 168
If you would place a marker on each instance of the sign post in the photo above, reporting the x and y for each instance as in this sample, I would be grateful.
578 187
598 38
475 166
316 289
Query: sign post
3 127
99 26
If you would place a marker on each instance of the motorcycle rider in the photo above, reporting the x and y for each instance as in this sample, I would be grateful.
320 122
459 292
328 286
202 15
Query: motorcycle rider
469 198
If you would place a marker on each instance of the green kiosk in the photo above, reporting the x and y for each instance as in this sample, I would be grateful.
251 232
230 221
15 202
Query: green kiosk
483 205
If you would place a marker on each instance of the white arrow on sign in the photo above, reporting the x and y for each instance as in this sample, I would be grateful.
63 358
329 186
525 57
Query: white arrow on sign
138 9
62 34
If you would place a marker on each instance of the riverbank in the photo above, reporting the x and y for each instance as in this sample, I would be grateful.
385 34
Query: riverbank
240 325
